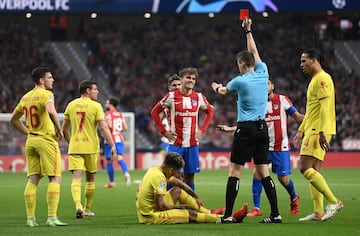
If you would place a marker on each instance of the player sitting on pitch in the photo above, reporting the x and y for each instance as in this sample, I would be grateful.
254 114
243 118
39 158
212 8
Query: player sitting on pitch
156 205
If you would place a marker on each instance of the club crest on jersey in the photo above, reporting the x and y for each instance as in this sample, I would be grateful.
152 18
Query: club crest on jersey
323 84
194 102
162 185
275 106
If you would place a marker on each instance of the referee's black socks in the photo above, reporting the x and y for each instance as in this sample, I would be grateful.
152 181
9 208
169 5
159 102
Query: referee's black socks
270 191
232 189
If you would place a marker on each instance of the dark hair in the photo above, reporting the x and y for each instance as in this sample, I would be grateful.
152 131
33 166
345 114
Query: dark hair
39 72
189 71
114 101
85 84
174 160
315 54
172 78
247 57
271 80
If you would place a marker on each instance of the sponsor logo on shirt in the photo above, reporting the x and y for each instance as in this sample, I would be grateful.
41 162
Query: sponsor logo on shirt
187 113
272 118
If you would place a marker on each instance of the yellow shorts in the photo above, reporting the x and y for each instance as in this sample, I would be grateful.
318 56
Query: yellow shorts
310 146
86 162
173 216
43 156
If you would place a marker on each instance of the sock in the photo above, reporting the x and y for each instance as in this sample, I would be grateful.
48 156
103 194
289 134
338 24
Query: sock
30 199
206 218
318 181
232 189
124 166
52 198
291 189
256 192
89 194
318 200
110 170
270 191
190 202
76 192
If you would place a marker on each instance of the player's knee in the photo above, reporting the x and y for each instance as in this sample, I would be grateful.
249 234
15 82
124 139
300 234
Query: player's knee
284 180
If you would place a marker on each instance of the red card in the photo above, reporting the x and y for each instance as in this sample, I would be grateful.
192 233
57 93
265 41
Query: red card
244 14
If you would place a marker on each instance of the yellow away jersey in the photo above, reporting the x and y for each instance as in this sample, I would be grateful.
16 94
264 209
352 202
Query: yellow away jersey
37 119
320 106
83 114
154 182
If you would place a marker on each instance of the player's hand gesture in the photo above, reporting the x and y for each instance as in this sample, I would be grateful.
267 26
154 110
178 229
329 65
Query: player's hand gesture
215 86
59 134
199 201
170 135
323 142
298 139
113 153
246 24
226 128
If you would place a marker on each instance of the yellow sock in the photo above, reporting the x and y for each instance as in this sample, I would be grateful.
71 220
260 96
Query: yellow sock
30 199
76 192
206 218
318 181
191 203
52 198
89 194
318 200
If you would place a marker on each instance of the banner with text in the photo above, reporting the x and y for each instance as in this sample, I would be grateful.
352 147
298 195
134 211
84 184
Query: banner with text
173 6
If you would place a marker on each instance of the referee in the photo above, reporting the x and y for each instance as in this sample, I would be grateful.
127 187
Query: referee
251 138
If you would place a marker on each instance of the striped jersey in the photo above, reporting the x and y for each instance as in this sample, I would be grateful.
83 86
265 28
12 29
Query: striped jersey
117 120
278 107
183 116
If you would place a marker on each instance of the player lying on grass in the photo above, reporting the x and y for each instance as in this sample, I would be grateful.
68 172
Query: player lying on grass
156 205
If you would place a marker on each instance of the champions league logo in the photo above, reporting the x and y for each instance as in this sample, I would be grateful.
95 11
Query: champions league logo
339 4
194 6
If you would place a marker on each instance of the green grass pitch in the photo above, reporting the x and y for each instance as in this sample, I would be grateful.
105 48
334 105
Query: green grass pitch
116 214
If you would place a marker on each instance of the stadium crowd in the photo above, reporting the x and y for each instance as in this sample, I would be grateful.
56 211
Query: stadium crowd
139 57
22 50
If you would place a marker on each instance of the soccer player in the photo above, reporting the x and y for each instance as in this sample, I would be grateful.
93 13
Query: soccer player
42 151
117 124
84 115
156 205
184 135
278 108
251 138
319 125
174 83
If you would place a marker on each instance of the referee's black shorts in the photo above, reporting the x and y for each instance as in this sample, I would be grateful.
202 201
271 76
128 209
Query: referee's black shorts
251 140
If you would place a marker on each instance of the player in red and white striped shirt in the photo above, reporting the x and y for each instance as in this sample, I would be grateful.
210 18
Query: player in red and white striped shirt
184 135
174 83
117 124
